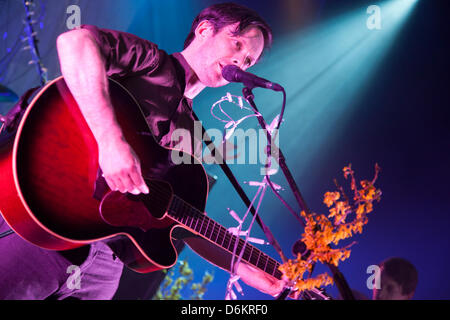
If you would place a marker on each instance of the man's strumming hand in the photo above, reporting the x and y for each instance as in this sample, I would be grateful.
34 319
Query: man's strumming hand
121 166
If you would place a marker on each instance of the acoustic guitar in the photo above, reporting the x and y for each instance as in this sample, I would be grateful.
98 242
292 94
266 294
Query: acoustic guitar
50 169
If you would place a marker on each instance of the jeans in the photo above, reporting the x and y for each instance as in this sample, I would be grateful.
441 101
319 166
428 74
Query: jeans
28 272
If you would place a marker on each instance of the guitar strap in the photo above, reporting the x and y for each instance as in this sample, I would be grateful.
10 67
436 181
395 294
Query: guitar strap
12 119
226 169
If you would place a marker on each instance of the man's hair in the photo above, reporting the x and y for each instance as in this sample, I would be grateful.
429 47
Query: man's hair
224 14
401 271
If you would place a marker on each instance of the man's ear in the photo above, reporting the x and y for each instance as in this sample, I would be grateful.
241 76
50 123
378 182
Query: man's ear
204 30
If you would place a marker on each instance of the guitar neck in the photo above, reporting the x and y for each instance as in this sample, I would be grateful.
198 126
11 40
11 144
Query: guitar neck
198 222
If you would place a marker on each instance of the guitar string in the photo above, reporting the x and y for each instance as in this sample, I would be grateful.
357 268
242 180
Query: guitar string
270 262
186 213
248 248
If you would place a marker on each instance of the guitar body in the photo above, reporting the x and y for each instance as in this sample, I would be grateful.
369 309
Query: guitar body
49 171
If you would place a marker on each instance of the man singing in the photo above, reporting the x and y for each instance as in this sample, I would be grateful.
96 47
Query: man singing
164 86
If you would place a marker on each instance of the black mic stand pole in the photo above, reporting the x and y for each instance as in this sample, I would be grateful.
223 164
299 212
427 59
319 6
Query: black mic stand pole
338 277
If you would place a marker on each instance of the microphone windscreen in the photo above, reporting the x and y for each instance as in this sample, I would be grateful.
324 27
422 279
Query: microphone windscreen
229 72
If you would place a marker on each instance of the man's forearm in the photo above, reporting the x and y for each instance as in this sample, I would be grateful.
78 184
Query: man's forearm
83 68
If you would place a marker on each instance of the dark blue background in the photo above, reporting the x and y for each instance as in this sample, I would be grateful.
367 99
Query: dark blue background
400 122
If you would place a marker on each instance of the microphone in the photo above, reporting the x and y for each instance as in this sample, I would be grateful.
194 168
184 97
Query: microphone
232 73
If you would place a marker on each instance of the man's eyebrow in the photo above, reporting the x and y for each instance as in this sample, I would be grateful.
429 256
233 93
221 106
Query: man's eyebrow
240 38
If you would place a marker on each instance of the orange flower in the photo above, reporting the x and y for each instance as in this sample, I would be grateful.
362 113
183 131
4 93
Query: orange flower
330 198
320 232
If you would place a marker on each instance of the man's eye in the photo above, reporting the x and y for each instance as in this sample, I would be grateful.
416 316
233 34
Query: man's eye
237 44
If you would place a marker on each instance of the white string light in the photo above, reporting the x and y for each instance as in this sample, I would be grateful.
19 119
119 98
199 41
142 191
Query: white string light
230 123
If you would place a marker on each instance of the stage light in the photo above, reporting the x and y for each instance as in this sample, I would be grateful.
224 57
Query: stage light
325 69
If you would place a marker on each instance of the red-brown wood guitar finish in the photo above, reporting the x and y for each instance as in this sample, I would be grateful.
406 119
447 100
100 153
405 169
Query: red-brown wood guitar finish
48 174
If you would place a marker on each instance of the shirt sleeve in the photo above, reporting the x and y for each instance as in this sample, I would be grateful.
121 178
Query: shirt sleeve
125 54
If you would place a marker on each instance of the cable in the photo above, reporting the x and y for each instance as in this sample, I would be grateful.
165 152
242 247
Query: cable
6 233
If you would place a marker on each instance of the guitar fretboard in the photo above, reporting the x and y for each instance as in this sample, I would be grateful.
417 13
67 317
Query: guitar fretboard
194 219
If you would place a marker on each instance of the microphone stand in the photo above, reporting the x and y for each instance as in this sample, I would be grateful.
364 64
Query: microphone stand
338 277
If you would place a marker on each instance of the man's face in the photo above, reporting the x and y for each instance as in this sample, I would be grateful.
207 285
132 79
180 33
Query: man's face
389 290
223 48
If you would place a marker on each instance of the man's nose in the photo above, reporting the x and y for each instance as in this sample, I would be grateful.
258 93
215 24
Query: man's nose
239 61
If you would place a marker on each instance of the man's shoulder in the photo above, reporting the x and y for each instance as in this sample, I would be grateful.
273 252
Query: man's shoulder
119 35
126 53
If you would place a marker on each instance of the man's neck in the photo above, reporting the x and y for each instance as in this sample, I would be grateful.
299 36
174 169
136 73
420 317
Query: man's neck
193 84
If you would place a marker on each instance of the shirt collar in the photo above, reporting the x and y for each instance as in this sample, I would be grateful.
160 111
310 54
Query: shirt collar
188 72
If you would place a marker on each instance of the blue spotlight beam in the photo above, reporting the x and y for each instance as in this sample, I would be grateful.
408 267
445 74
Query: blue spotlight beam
336 60
324 69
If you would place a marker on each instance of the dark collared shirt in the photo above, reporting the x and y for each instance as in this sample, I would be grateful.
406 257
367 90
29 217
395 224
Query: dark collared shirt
156 79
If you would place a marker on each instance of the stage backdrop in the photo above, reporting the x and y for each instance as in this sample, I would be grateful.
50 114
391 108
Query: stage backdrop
358 93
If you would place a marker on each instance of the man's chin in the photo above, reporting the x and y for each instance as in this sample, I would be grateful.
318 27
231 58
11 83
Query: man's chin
213 82
220 83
